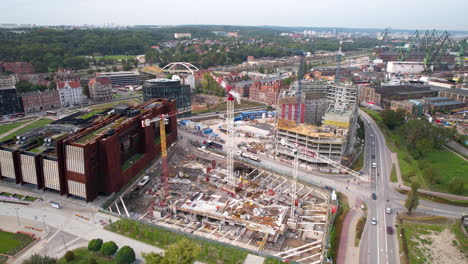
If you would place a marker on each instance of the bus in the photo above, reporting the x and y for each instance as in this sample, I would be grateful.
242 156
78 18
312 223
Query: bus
16 115
51 113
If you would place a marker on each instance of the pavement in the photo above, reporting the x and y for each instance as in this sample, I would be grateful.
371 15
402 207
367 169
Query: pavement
457 147
348 234
62 229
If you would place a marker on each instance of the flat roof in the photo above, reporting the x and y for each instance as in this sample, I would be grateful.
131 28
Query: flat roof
306 129
121 73
456 91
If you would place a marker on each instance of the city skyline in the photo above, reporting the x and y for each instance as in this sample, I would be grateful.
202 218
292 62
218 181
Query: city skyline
334 14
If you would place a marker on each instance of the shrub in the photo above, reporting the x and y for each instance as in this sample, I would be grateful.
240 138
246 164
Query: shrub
109 248
126 255
95 245
456 185
37 259
69 256
92 261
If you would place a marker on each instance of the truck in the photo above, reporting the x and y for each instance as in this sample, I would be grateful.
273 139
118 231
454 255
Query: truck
212 144
248 156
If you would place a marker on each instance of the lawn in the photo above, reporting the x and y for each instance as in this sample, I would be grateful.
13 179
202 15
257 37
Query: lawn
11 243
223 107
8 127
446 164
335 233
119 57
393 175
359 162
39 123
210 253
82 256
90 114
132 101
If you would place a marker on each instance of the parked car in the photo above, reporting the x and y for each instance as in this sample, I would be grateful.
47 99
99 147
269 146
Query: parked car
143 181
374 221
374 165
374 196
389 230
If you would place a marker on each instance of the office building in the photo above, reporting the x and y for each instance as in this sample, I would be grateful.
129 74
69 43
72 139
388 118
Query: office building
168 89
122 78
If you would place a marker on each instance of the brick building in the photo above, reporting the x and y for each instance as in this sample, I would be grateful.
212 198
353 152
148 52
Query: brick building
455 94
100 89
40 101
17 67
266 90
382 95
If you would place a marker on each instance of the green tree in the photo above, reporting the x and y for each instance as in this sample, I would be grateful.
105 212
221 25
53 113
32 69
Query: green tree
52 86
125 255
109 248
269 108
127 67
39 87
86 90
95 245
393 119
37 259
23 86
456 185
412 201
69 256
261 69
182 252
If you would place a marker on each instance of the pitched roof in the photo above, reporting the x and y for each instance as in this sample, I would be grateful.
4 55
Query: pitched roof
72 84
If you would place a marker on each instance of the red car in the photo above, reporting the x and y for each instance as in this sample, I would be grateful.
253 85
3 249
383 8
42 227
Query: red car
389 230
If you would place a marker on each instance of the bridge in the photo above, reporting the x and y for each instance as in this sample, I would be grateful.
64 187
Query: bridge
180 67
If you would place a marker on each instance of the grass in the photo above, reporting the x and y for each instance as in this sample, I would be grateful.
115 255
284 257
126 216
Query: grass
210 253
82 256
393 175
11 243
359 162
90 114
335 233
18 196
39 123
447 165
6 194
119 57
30 198
131 161
116 96
8 127
462 240
222 107
272 261
132 101
438 199
359 230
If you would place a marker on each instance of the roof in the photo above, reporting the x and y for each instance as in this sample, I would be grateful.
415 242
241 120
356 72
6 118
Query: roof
72 84
456 91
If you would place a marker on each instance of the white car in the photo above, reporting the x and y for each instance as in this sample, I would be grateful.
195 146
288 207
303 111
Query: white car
374 221
388 210
143 181
374 165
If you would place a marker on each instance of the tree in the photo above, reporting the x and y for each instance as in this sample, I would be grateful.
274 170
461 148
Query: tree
456 185
69 256
269 108
109 248
182 252
412 201
261 69
127 67
125 255
393 119
37 259
23 86
52 86
95 245
86 90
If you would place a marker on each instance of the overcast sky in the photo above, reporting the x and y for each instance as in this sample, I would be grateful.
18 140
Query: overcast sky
398 14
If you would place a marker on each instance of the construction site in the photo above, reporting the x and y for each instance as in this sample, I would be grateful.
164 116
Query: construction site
258 212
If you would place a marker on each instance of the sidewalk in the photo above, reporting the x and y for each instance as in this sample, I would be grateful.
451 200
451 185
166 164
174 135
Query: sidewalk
347 253
17 128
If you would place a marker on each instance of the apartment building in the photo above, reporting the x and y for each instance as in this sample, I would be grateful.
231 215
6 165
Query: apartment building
40 101
71 93
100 89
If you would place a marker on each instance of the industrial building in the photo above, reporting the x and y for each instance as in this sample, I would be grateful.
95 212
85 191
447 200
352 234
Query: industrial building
83 154
460 95
382 95
121 78
405 67
168 89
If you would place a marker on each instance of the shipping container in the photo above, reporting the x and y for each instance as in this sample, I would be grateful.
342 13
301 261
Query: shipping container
207 131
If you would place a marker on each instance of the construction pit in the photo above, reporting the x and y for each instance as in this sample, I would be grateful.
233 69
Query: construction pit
254 214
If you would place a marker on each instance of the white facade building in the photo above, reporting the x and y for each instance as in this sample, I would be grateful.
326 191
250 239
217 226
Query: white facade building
405 67
71 93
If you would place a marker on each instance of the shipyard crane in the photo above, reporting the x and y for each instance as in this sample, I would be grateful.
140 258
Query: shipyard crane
232 95
163 120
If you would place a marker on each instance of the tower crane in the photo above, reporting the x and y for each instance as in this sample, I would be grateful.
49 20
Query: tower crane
163 121
232 95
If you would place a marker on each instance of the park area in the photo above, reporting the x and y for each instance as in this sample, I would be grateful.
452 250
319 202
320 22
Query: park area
83 255
12 243
38 123
433 170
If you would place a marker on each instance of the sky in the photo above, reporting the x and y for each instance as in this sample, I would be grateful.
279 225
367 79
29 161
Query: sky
397 14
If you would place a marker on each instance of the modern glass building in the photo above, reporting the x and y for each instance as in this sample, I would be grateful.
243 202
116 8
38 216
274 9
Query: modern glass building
168 89
8 101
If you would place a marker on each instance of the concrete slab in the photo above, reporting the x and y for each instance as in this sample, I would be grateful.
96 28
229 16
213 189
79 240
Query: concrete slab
253 259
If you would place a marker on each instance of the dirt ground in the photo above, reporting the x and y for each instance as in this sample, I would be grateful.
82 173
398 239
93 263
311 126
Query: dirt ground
202 101
442 249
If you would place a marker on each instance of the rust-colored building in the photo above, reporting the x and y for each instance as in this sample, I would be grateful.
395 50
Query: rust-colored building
100 157
17 67
266 90
40 101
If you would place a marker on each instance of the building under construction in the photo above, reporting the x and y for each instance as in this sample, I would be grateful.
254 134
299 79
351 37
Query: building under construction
88 153
255 213
327 122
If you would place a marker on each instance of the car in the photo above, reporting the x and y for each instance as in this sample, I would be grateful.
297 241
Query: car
388 210
389 230
372 135
143 181
374 196
374 165
374 221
